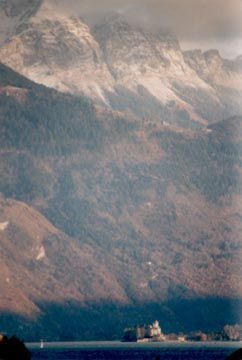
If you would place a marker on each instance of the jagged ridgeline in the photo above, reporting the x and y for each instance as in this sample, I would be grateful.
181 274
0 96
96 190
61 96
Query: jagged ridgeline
119 65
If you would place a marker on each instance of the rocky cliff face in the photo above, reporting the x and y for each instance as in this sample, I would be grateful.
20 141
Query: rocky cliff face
211 67
223 75
58 51
121 66
13 14
151 64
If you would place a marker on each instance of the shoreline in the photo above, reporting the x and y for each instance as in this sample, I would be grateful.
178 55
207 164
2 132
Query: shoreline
120 344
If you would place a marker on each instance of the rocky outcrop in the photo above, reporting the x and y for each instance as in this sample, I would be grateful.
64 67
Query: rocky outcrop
121 66
60 53
211 67
13 14
223 75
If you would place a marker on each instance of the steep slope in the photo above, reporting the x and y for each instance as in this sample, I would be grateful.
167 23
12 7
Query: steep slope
120 66
138 213
223 75
14 13
57 51
30 270
150 63
35 280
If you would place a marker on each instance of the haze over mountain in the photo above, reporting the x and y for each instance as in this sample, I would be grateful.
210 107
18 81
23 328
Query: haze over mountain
123 203
120 65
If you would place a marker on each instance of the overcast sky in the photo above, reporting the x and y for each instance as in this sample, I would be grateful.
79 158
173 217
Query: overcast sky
197 23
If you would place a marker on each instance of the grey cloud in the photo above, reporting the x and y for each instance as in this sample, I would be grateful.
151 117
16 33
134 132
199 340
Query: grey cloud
192 20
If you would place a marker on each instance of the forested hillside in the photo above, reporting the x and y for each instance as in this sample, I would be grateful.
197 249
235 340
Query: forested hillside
151 210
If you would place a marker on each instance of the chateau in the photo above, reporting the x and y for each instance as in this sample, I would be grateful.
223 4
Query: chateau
144 333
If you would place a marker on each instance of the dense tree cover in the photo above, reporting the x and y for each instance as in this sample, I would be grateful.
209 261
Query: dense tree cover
24 176
37 123
9 77
205 162
45 122
126 187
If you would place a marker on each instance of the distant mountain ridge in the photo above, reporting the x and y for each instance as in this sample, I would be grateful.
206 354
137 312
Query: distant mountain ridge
121 66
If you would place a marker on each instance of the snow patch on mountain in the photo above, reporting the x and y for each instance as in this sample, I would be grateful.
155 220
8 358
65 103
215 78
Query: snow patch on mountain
62 52
4 225
41 253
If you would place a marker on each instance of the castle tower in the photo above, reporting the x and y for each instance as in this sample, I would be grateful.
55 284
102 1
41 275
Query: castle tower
156 328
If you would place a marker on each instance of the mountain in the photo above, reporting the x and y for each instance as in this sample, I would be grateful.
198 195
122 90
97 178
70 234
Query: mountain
30 243
35 282
145 217
120 66
120 177
221 74
14 13
58 51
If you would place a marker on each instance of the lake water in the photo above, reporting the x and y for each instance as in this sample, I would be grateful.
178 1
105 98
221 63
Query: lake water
132 351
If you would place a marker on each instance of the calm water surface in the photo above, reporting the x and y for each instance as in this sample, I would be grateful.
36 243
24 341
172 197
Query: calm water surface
121 351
